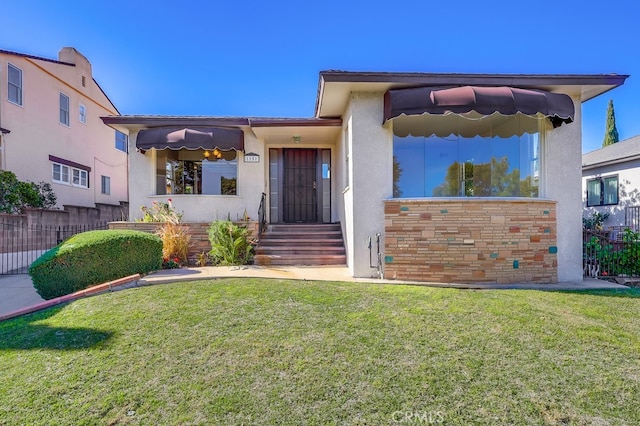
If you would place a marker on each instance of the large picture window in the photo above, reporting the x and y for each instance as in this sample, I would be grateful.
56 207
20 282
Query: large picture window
468 162
190 172
602 191
465 167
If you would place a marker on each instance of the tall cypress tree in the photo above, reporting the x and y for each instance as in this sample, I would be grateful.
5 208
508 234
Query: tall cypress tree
611 133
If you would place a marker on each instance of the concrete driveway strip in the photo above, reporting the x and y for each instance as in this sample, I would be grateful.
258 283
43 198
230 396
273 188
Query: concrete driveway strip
17 292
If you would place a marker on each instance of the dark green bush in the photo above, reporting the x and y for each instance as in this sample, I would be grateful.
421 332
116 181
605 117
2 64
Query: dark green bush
9 195
92 258
15 195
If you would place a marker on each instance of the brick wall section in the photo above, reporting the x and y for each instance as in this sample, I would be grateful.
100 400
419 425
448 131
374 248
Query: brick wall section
471 240
38 229
198 231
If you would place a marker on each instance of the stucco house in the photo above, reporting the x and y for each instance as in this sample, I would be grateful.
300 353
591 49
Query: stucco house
50 113
611 183
460 177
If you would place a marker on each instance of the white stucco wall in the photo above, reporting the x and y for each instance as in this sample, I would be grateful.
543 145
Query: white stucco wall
628 190
562 163
371 183
199 208
343 169
36 131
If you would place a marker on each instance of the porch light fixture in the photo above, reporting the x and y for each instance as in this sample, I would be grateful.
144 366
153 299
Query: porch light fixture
216 153
297 139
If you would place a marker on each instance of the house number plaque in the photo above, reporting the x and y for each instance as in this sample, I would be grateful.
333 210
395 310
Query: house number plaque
251 157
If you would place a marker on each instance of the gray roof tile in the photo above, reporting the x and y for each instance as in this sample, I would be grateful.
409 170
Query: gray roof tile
628 148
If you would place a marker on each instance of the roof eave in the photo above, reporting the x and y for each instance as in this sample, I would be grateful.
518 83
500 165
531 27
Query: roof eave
295 122
137 122
602 83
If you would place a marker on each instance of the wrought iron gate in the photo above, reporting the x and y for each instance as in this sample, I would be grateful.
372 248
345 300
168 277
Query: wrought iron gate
21 244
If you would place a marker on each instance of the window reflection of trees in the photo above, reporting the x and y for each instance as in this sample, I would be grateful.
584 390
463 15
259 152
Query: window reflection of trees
192 175
184 177
491 179
465 167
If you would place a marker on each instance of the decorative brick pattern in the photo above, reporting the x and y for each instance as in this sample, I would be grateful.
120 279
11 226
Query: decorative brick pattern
471 240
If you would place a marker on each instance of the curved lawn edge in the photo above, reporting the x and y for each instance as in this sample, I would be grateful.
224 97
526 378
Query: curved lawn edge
119 284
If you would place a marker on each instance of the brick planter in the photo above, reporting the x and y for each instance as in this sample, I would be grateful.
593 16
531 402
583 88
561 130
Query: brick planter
471 240
198 231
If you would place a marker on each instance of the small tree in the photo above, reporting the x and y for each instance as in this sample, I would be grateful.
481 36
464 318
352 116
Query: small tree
9 193
611 133
15 195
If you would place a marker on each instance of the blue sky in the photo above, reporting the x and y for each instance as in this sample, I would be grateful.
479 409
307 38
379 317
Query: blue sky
257 58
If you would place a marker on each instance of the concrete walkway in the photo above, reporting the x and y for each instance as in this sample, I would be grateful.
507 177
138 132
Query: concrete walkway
17 292
341 273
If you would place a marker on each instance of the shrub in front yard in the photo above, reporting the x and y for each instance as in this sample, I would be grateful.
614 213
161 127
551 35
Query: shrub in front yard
92 258
229 243
176 241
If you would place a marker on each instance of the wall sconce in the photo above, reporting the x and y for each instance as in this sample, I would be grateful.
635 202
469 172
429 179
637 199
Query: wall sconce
207 154
297 139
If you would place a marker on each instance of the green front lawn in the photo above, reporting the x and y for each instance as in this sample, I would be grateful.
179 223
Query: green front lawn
259 351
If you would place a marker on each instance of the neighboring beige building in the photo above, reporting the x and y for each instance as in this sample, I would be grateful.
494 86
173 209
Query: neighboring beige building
51 129
459 177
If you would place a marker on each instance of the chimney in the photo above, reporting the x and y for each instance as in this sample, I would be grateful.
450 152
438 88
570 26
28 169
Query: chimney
71 56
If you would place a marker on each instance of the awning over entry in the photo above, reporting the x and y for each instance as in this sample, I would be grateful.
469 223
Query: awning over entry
207 138
483 101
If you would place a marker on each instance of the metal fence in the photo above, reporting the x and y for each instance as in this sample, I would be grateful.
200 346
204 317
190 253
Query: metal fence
614 252
21 244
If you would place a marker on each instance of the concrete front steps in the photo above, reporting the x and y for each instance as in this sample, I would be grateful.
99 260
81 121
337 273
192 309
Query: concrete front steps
301 244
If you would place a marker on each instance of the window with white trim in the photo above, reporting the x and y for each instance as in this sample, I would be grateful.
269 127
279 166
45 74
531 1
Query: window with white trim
64 109
602 191
121 141
105 185
60 173
80 178
14 84
82 113
70 175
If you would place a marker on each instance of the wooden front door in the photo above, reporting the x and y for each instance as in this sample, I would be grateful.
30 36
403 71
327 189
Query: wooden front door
299 189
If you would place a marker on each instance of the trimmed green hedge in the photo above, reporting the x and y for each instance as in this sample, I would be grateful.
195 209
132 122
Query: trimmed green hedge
94 257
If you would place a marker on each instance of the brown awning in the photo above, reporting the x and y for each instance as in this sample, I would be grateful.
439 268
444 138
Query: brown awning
484 101
201 138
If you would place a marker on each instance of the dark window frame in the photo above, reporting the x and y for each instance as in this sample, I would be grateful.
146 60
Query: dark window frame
602 180
105 185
